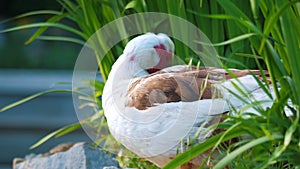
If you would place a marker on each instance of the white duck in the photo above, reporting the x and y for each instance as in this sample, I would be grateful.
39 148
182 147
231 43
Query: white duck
150 107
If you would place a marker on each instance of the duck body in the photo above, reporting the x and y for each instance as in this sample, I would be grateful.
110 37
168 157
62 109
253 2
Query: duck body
151 113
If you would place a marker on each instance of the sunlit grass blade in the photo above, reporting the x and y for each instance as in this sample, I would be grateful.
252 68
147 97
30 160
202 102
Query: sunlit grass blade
57 133
64 39
137 5
12 105
235 39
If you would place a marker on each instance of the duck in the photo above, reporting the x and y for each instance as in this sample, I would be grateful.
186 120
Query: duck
152 107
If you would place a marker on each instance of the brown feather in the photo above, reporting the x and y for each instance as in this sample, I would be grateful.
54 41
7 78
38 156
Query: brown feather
177 83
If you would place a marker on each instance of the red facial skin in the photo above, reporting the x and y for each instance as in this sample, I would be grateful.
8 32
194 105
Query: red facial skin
165 58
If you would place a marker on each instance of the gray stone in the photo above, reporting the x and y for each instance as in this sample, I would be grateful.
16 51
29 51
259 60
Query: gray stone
77 156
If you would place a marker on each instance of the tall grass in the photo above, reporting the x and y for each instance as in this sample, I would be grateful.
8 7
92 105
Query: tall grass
274 138
247 34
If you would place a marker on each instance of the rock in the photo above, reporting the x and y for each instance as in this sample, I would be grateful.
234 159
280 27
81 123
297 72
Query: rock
69 156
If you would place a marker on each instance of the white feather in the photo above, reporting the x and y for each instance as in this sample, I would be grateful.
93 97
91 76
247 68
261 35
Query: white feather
251 88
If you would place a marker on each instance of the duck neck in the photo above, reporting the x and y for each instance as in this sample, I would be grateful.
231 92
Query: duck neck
125 69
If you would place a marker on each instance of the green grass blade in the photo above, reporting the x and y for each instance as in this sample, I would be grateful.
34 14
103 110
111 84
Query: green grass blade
68 129
212 16
200 148
61 38
40 12
272 20
275 67
256 12
134 4
231 156
244 24
57 133
261 85
42 24
69 5
235 39
249 55
53 19
218 31
290 27
290 131
235 29
30 98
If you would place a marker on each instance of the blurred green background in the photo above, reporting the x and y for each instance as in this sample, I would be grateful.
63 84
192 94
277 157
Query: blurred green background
28 69
39 54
